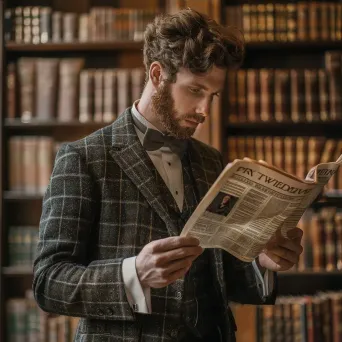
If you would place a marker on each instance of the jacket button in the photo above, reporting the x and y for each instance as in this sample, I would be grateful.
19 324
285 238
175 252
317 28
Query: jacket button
100 312
109 312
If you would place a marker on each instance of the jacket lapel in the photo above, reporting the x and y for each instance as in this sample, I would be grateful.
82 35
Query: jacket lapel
202 177
129 154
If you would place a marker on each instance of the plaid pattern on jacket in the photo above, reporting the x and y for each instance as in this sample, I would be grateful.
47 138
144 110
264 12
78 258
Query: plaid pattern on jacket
103 205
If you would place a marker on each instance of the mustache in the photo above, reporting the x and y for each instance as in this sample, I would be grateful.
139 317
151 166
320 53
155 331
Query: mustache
193 117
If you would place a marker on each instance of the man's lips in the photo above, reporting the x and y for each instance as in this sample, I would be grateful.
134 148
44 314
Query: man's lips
193 122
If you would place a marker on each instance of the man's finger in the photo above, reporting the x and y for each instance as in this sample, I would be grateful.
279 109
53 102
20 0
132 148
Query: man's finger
173 242
165 258
290 245
280 262
176 265
283 253
295 233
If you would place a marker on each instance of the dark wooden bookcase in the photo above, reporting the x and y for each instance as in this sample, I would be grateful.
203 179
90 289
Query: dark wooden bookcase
19 209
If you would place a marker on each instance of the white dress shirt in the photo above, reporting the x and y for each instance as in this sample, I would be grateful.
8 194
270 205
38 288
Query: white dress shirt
170 168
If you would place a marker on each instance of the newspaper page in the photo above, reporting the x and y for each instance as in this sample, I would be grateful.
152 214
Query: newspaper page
250 201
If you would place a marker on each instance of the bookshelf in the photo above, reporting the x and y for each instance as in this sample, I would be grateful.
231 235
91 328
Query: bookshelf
83 47
124 45
20 209
287 53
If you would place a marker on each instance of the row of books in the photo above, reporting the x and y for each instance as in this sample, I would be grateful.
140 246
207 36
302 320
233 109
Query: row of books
322 240
52 88
43 25
30 163
302 21
303 318
27 322
286 94
295 155
22 245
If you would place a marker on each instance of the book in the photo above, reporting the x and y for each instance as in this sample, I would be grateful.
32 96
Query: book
41 24
250 202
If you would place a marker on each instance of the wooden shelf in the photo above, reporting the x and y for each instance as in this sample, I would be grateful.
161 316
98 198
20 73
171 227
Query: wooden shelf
137 45
19 196
288 128
18 124
17 271
308 282
64 47
329 44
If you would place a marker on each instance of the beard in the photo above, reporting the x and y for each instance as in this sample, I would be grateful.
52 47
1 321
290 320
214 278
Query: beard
162 106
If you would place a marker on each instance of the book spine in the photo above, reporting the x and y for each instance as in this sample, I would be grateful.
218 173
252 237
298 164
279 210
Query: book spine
27 24
99 95
323 94
69 89
232 96
86 98
11 90
70 25
46 85
9 23
15 163
26 77
44 162
19 25
291 22
253 103
57 27
35 25
45 25
303 20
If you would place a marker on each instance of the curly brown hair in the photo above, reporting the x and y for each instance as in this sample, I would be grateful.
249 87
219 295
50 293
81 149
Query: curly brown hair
191 40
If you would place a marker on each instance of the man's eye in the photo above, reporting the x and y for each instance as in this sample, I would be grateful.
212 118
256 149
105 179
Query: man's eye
195 90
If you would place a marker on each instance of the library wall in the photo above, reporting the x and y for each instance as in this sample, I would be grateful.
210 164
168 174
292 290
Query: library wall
71 67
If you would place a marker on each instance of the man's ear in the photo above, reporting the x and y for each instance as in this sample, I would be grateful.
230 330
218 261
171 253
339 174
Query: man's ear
156 74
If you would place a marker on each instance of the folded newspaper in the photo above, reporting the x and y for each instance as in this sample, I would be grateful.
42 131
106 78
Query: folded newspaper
250 202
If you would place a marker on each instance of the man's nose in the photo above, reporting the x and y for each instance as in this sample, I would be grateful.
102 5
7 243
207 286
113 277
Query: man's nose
203 108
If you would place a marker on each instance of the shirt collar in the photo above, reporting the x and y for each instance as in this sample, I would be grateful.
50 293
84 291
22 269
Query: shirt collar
148 124
141 118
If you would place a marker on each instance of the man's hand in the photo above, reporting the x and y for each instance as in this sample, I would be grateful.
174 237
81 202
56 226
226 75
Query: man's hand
282 253
161 262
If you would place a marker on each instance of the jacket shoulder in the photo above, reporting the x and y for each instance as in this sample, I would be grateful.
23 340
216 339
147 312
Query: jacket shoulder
93 145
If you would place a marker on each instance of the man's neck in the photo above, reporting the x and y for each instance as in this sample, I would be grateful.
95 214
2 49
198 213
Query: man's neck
144 106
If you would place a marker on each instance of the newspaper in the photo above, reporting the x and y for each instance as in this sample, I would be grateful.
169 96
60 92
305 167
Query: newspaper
250 201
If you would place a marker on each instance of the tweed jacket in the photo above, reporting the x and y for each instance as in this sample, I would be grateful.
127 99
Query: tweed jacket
102 205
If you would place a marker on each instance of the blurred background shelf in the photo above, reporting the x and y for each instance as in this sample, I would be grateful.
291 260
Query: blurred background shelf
19 196
286 128
138 45
17 271
20 125
75 46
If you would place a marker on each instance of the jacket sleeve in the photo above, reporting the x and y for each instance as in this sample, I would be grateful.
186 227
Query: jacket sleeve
64 282
241 283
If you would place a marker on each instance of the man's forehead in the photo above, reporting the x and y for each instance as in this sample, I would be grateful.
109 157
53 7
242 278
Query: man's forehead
211 79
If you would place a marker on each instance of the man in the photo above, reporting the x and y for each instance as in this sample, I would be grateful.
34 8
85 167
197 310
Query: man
109 248
225 206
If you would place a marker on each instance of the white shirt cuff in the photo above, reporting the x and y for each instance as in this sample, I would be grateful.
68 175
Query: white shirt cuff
139 297
264 282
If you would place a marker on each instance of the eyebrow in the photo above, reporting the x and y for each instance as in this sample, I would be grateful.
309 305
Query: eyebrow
202 86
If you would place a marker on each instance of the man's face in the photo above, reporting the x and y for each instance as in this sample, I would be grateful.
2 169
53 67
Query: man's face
181 106
225 199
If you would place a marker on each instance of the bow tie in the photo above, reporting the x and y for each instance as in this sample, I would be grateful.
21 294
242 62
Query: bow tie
154 140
